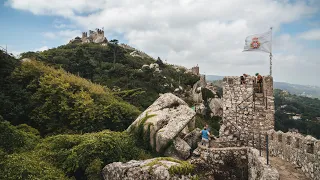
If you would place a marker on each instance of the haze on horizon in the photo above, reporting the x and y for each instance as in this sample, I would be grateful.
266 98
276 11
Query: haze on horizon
185 32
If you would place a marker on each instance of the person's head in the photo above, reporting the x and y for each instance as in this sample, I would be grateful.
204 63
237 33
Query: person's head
257 74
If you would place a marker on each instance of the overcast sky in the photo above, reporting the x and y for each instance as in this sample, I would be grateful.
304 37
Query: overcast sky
209 33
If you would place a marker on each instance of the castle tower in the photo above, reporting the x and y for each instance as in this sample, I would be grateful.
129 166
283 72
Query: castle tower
245 111
84 35
195 70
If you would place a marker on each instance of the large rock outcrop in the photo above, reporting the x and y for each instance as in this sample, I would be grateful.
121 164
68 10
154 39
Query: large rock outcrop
166 118
196 90
157 168
193 138
216 107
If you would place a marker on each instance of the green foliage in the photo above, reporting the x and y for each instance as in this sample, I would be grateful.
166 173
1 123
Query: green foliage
292 104
213 123
142 136
60 102
28 129
12 139
8 63
183 167
114 66
206 94
85 155
28 166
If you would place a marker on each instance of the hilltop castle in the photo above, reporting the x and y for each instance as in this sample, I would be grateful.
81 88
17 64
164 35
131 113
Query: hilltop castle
94 37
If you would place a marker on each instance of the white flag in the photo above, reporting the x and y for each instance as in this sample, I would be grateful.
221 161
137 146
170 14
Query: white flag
259 42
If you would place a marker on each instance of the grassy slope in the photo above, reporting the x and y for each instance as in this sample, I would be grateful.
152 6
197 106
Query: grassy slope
95 62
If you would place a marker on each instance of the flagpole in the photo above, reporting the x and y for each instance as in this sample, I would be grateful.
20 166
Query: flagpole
271 54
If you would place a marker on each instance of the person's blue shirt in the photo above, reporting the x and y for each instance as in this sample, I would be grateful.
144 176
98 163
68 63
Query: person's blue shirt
204 134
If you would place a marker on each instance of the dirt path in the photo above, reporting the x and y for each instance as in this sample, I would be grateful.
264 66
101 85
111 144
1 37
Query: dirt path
287 171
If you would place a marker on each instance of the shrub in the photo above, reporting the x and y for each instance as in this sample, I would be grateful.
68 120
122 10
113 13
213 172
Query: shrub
28 166
14 140
64 103
85 155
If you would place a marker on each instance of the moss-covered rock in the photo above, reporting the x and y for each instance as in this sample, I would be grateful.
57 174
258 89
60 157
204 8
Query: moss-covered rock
157 168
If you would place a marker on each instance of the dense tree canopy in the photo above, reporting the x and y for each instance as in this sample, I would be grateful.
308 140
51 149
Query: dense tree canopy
288 105
59 102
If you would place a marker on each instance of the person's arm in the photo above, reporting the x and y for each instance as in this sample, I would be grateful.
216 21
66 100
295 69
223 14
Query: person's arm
208 133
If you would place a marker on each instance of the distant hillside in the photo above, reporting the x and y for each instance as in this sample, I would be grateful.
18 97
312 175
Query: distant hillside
301 90
297 112
130 70
213 77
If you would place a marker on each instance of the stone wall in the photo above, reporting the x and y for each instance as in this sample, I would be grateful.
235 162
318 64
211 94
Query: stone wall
301 151
258 168
232 163
244 110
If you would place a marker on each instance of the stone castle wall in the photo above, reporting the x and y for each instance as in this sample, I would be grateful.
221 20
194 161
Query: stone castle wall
301 151
245 111
94 37
233 163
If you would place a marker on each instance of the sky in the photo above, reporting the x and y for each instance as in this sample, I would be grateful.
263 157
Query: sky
183 32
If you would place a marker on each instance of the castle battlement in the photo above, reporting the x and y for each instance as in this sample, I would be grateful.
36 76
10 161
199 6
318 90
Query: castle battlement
302 151
94 36
248 117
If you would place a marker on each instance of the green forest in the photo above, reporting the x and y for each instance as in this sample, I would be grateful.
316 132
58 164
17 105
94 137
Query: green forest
63 111
287 105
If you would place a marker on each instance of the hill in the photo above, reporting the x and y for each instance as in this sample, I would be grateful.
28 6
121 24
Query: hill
301 90
118 68
54 101
45 113
298 112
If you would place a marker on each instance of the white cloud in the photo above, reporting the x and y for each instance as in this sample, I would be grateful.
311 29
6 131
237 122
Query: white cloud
43 48
189 32
60 24
49 35
64 35
58 7
313 34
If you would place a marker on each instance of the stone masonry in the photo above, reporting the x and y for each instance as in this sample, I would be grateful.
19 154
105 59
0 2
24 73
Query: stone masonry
232 163
245 111
303 152
94 37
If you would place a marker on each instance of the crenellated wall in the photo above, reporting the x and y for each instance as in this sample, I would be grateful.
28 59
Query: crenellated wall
245 111
301 151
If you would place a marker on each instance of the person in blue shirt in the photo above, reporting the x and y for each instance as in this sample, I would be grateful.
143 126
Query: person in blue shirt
205 136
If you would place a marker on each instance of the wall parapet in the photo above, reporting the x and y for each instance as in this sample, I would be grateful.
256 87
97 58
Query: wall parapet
302 151
233 163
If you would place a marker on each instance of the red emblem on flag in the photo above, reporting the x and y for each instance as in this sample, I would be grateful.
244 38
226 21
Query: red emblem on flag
255 44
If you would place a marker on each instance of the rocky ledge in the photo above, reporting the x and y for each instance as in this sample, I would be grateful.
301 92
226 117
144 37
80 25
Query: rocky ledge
162 168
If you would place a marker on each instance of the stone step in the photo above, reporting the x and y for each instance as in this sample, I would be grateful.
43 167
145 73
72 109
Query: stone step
259 103
260 107
259 95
